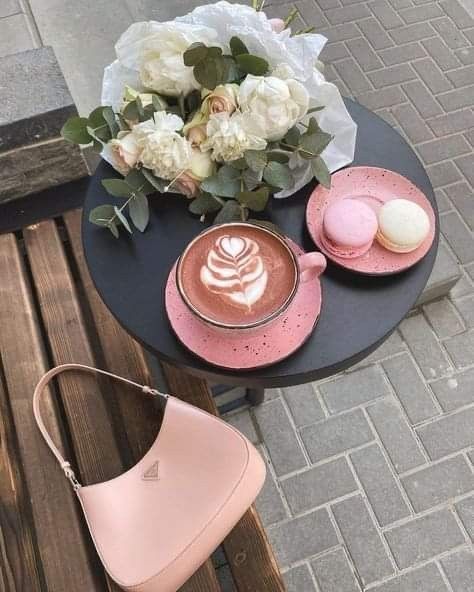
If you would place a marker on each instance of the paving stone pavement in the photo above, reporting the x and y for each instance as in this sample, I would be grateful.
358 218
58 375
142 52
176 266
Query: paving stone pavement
370 473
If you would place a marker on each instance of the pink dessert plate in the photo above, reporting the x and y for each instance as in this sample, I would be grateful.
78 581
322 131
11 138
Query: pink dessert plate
250 348
374 186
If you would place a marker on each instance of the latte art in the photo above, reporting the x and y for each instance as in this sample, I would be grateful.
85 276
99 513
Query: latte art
234 269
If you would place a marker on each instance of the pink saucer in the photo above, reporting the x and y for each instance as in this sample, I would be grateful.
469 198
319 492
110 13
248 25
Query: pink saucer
374 186
246 349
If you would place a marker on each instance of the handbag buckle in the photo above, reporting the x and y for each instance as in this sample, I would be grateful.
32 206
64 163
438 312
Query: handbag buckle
71 476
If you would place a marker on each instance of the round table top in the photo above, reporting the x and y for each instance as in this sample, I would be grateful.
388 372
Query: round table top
358 312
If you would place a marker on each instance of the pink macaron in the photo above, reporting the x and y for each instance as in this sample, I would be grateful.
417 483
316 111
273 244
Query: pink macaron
349 228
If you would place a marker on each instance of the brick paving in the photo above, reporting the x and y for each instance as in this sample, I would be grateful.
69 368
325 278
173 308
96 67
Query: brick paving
370 484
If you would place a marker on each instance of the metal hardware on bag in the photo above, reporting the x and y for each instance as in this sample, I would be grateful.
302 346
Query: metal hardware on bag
72 477
151 391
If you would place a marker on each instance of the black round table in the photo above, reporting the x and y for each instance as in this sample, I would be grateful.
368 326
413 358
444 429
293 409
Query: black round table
358 312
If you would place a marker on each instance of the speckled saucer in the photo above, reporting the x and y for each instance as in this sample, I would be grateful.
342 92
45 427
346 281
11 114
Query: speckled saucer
250 348
374 186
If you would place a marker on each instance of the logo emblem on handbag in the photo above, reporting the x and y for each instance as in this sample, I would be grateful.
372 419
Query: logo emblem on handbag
151 474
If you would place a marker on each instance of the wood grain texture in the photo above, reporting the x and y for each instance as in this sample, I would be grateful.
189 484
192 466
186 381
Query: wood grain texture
248 551
56 520
19 561
125 357
89 420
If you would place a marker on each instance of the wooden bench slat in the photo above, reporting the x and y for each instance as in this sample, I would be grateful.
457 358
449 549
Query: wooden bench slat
125 357
19 560
89 422
248 551
54 511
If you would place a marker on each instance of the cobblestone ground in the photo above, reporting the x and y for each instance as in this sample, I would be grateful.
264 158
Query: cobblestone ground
371 482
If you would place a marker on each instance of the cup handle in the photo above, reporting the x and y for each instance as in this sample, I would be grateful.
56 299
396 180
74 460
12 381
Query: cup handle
311 266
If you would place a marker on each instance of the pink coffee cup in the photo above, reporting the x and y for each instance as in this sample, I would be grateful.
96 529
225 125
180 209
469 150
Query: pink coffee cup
274 247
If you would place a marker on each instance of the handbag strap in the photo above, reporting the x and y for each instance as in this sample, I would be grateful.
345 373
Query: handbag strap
65 465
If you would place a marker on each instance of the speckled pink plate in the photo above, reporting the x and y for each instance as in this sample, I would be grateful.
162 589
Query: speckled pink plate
250 348
374 186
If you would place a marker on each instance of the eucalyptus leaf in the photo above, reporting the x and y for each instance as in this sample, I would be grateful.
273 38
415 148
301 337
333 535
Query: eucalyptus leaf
209 73
314 144
101 215
278 175
293 136
252 179
96 117
321 172
109 116
136 180
314 109
113 229
254 200
256 159
139 211
251 64
204 204
221 186
193 101
156 182
214 52
158 103
140 109
239 164
75 131
120 215
281 156
231 212
232 73
228 173
237 46
131 112
197 52
313 126
116 187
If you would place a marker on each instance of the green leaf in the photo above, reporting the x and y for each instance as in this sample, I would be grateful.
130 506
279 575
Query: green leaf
251 64
321 172
75 131
116 187
136 180
156 182
252 179
207 73
237 46
221 186
157 103
256 159
314 109
232 72
278 175
131 111
140 109
239 164
279 156
293 136
313 126
193 101
214 52
101 215
254 200
139 211
231 212
204 204
109 117
228 173
197 52
314 144
97 125
113 229
120 215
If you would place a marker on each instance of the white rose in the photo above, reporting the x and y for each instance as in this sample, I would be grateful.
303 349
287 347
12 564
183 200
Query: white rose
161 61
164 150
124 151
280 104
230 136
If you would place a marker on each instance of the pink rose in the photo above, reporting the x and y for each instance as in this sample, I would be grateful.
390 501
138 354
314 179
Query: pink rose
187 185
278 24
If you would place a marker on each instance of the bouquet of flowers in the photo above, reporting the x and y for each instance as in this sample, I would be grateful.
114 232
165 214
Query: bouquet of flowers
224 106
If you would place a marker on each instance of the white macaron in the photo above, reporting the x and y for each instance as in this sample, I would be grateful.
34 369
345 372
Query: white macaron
403 225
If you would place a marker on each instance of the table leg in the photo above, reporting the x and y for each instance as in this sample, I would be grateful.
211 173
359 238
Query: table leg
255 396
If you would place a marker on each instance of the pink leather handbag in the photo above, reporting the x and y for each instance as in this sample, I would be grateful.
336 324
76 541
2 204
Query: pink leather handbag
155 524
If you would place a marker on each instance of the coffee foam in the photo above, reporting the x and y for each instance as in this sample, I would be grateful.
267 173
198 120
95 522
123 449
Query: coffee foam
237 274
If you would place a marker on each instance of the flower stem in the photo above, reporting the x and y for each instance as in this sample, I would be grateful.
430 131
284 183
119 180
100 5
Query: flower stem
291 17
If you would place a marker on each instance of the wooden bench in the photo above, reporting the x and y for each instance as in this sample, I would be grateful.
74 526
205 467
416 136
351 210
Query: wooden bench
51 314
